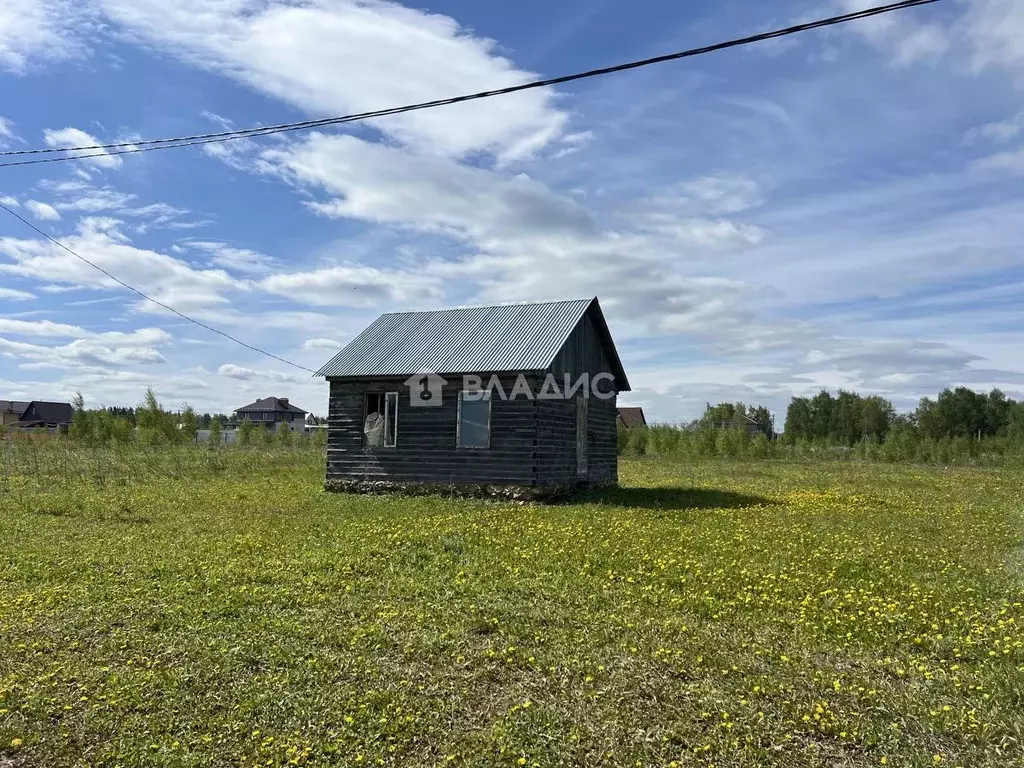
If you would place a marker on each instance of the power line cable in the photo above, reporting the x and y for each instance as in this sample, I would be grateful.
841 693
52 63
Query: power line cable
161 304
148 145
198 139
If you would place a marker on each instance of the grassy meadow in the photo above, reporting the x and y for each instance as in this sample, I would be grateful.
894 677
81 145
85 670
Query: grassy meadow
196 607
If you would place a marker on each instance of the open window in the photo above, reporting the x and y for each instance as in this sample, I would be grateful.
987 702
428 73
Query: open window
380 424
474 427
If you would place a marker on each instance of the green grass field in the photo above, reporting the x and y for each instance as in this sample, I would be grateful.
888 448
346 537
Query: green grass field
729 614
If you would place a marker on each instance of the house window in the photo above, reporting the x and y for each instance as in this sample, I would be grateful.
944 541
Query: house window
380 425
474 427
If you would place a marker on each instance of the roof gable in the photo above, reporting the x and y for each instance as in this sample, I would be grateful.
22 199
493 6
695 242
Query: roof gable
503 338
632 416
273 404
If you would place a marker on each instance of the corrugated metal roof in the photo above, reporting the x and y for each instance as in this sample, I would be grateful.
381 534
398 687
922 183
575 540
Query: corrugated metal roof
502 338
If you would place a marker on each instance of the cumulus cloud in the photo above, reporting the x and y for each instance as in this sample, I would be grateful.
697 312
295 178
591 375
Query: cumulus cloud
355 286
10 202
385 184
87 349
318 344
41 30
75 137
525 241
163 277
295 52
42 211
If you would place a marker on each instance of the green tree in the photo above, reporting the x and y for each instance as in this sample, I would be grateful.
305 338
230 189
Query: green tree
798 419
876 416
215 432
763 418
156 426
189 424
821 414
81 420
245 431
997 413
284 437
844 418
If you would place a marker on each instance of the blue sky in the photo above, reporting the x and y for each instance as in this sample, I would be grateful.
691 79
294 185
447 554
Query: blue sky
839 209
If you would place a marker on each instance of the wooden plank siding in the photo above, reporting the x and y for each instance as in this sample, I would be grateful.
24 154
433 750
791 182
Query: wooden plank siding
532 441
582 353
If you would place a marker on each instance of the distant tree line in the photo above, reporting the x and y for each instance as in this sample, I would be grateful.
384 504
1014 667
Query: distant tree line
849 417
152 424
203 420
958 426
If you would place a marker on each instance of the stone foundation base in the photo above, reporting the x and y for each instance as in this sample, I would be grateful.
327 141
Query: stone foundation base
517 493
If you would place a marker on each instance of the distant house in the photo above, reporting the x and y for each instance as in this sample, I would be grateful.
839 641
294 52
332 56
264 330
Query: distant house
475 399
631 418
11 411
744 423
36 414
274 413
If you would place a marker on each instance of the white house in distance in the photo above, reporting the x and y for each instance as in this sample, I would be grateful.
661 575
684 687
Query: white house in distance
274 413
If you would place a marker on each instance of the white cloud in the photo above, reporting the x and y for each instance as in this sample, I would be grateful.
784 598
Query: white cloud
10 202
237 259
317 344
42 211
995 30
40 29
908 39
75 137
298 53
163 277
12 294
230 371
711 195
355 286
1010 162
91 200
6 130
88 348
526 241
389 185
998 132
41 328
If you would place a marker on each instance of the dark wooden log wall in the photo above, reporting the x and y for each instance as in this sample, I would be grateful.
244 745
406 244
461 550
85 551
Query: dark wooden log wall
584 353
427 450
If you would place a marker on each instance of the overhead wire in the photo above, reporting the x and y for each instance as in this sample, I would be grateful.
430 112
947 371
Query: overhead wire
145 296
147 145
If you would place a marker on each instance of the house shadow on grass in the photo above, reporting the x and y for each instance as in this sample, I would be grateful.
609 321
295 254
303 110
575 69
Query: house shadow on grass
669 498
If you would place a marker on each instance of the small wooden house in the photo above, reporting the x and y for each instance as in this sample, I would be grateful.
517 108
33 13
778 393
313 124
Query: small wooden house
510 399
